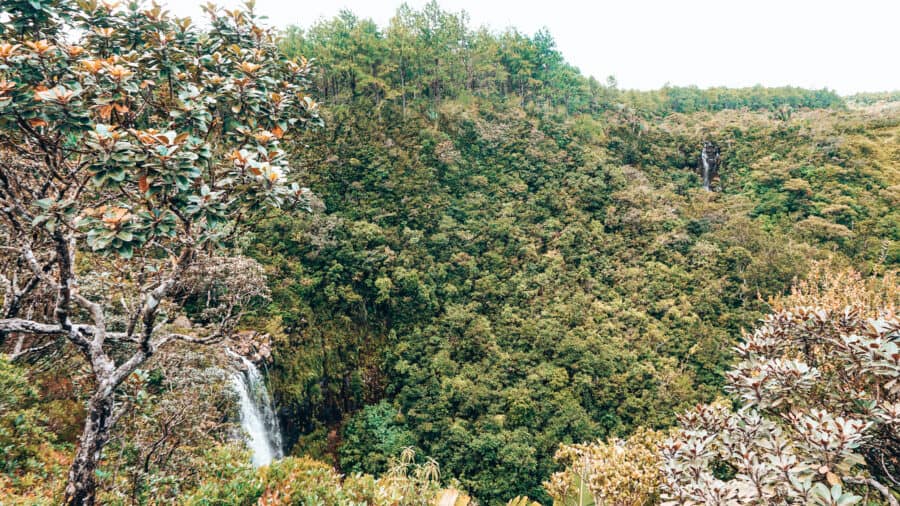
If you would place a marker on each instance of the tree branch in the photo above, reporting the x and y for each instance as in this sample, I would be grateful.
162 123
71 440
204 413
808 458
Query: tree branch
33 327
886 492
28 351
210 339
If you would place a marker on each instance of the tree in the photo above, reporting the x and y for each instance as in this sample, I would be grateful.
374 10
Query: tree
615 472
819 404
130 159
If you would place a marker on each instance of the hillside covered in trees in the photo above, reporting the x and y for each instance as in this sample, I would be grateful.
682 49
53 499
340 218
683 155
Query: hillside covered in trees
497 262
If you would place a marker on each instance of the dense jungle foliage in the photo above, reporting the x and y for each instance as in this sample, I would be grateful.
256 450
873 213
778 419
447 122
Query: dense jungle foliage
502 256
511 256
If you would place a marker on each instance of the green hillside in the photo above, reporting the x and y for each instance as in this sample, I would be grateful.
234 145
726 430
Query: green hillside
512 256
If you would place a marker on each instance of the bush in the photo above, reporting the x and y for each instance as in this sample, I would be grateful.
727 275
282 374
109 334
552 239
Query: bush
819 404
27 457
21 432
302 481
378 429
615 473
228 480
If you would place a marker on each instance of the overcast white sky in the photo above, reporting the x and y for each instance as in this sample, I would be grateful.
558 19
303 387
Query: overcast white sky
848 45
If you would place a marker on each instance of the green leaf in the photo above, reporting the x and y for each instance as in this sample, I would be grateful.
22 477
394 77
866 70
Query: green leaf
126 251
46 203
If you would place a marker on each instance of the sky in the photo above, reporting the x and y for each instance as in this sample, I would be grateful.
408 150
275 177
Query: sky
848 45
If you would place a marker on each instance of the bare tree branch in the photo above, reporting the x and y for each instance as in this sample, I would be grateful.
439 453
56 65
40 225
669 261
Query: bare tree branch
17 354
33 327
886 492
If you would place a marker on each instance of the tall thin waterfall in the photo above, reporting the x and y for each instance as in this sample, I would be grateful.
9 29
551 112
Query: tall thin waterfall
709 163
258 418
704 160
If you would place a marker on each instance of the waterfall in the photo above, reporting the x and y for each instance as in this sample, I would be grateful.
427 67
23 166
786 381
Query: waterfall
258 418
709 163
704 158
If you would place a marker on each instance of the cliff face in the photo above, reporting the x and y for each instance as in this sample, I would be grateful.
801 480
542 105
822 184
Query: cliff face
710 159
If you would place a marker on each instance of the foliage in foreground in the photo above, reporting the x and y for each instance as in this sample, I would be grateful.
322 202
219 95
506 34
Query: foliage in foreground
133 147
818 387
616 472
305 482
816 420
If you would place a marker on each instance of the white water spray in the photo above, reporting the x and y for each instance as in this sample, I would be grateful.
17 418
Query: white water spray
709 164
258 418
704 158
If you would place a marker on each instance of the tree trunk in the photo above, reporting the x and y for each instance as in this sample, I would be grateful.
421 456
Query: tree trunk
82 487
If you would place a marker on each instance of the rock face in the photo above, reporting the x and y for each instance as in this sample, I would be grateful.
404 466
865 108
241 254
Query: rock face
710 159
255 346
182 322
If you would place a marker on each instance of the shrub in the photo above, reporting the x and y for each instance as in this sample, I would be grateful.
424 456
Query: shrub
819 397
615 473
302 481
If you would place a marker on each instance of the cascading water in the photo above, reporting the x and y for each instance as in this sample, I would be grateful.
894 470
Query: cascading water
704 159
258 418
709 164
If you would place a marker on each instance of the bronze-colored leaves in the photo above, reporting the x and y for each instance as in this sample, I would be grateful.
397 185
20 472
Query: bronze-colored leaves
264 136
6 86
8 50
93 66
249 68
58 94
111 216
104 111
41 47
239 157
276 99
119 73
74 51
105 33
143 183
